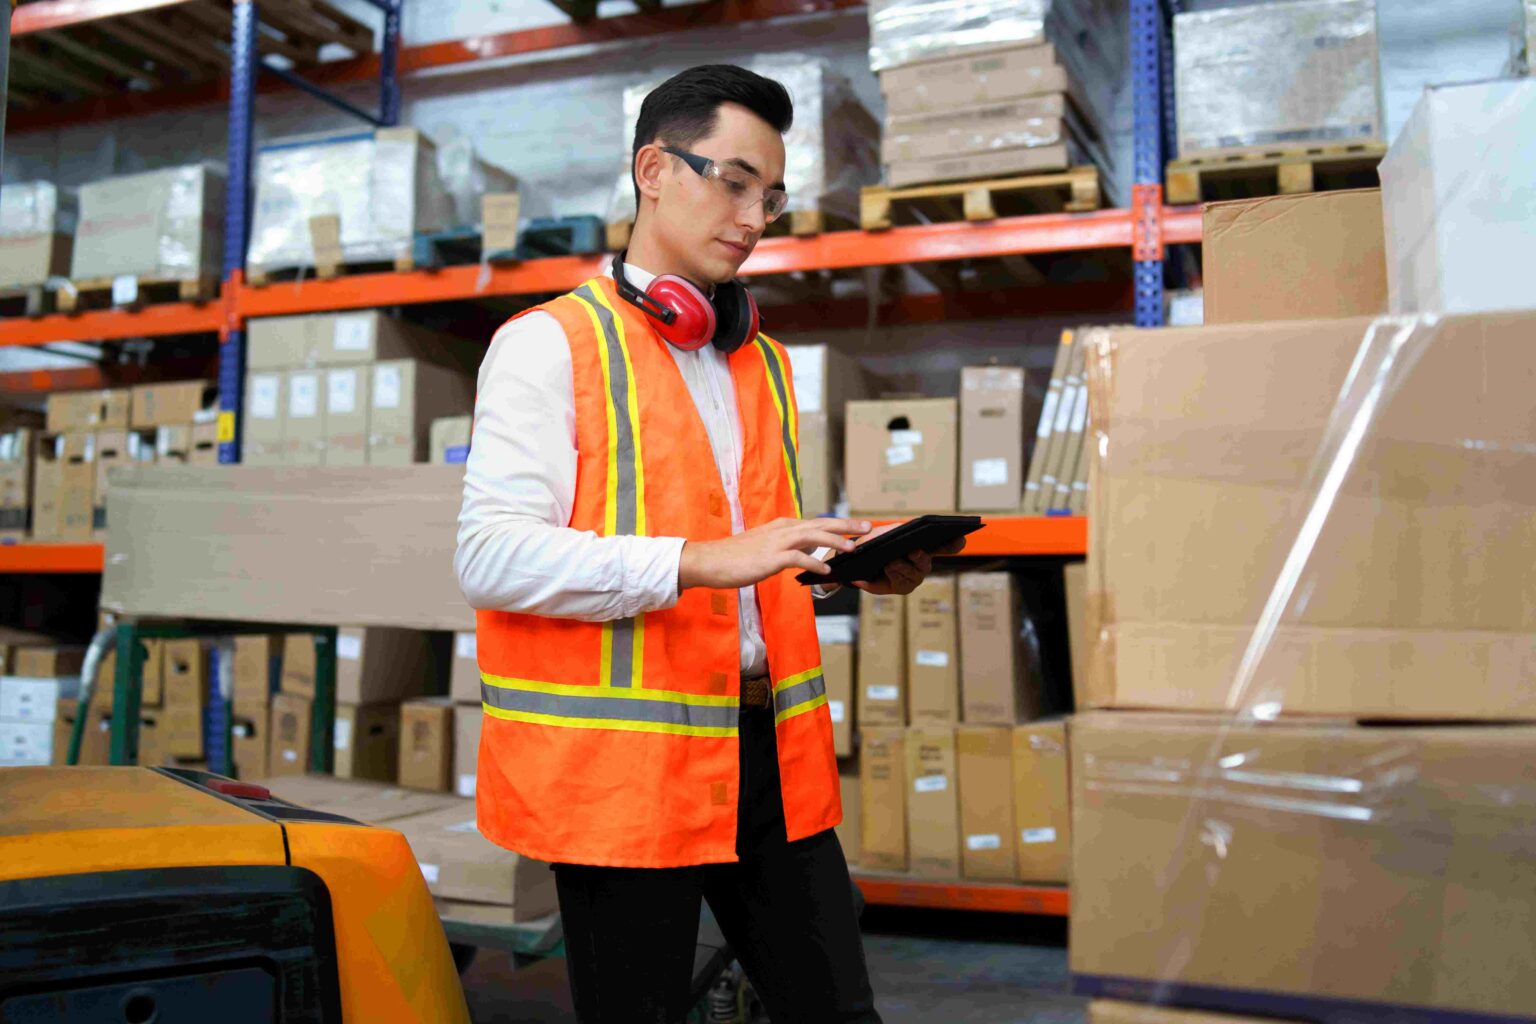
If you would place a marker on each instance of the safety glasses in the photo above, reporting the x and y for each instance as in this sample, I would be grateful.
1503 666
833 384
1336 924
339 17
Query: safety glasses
742 187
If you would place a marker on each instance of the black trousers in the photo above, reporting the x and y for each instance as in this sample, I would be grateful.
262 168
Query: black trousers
786 909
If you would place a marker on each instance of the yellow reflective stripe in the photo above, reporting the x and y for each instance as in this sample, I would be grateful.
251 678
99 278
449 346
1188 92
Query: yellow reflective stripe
633 407
624 692
616 724
800 709
778 390
798 677
611 506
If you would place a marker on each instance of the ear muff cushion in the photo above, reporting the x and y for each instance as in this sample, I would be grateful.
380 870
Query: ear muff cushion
736 316
696 322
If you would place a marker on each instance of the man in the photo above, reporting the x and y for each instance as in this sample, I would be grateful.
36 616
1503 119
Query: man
656 723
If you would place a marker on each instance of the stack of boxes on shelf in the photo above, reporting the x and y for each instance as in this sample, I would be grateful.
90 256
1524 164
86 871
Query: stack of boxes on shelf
37 228
1312 659
349 389
156 226
986 90
39 686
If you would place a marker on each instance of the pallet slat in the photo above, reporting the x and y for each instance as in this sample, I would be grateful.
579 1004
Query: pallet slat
1284 170
1074 191
96 293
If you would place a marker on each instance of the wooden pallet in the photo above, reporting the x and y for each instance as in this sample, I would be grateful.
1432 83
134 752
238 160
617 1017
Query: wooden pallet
797 223
1278 170
96 293
26 300
402 263
1075 191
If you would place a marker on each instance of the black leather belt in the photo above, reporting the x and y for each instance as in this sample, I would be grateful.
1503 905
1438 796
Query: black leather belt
756 693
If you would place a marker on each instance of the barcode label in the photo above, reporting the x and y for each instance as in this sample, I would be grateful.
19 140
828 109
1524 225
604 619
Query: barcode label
991 841
933 659
349 647
1038 835
838 710
931 784
882 692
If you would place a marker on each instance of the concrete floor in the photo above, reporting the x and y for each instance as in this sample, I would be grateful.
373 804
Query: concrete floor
926 966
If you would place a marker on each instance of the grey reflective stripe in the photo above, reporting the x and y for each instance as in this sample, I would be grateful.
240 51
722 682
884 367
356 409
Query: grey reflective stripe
777 379
623 661
618 393
627 709
793 696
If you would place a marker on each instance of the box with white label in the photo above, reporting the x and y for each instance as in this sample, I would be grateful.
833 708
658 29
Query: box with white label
303 399
900 456
405 396
262 443
933 805
933 653
353 338
882 663
836 634
33 700
26 743
1040 802
165 224
459 863
346 416
984 757
993 415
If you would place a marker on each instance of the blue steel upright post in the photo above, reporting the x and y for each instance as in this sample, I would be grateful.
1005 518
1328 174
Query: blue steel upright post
1148 124
389 64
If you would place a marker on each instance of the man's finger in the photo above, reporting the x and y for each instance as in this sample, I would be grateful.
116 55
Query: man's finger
829 524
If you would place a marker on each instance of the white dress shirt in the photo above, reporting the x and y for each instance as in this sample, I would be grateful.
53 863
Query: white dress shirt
516 549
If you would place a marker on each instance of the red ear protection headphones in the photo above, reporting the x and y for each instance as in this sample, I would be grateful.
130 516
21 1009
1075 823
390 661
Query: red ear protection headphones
686 317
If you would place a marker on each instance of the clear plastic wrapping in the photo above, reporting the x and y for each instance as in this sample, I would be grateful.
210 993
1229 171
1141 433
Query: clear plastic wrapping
167 223
904 31
466 178
1277 73
36 208
382 186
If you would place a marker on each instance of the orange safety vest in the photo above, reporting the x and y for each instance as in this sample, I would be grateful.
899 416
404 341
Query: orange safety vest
615 743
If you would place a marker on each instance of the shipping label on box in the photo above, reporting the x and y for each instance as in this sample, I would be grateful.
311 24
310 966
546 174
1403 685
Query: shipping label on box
1040 802
933 654
882 664
883 798
987 836
933 807
901 456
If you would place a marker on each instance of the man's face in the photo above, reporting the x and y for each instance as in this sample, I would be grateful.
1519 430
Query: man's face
698 221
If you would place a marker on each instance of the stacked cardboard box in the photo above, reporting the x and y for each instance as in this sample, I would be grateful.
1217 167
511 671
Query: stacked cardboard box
825 381
349 389
166 224
37 225
900 456
37 679
450 439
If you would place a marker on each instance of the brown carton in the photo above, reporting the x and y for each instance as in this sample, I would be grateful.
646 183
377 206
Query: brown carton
883 798
1350 872
405 397
376 664
95 740
933 653
343 339
818 454
426 744
984 761
882 663
298 665
172 443
1040 802
994 163
265 419
164 405
367 741
900 457
1080 631
933 806
151 738
450 439
66 488
112 449
1315 256
32 259
249 747
848 830
288 733
461 864
464 670
467 719
258 669
186 677
1027 70
836 635
276 342
204 447
181 731
994 685
47 662
303 418
993 420
88 410
18 449
346 416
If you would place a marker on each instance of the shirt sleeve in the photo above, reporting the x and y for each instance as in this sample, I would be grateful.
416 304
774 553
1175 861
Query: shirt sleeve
516 549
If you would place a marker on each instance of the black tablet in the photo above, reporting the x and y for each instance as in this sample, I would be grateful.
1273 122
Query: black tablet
867 562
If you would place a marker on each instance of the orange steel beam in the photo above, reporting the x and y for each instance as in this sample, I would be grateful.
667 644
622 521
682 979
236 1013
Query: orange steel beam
91 378
51 558
112 324
1003 897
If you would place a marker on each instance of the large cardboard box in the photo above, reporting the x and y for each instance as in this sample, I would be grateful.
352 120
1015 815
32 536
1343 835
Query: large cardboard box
461 864
33 259
265 417
47 661
346 416
939 141
933 653
883 798
837 635
900 457
1416 575
204 447
166 405
825 380
984 764
467 720
426 744
1338 870
849 829
376 664
95 739
367 741
88 410
250 748
303 418
995 687
288 733
933 805
1454 188
1318 255
17 453
993 425
882 662
181 731
1041 802
369 802
366 546
971 80
464 670
450 439
405 396
159 224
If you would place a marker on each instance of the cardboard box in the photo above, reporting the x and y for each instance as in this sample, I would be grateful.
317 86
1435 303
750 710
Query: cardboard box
933 653
995 686
1416 577
152 677
1452 193
112 449
426 744
346 416
376 664
26 743
992 164
1338 870
48 662
1319 255
258 672
151 739
450 439
1041 802
160 224
33 259
459 863
820 468
344 339
277 343
88 410
249 744
464 670
1107 1011
288 731
901 456
367 741
882 664
883 798
1080 630
297 673
66 484
467 719
262 438
837 635
368 802
186 674
17 452
984 763
405 397
303 418
47 492
367 546
23 699
163 405
933 806
968 81
95 740
945 140
171 444
993 419
848 830
204 449
181 731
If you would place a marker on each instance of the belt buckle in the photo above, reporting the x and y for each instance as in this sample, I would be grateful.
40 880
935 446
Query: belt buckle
755 693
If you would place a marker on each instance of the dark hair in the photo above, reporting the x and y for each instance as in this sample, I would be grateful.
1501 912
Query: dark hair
685 108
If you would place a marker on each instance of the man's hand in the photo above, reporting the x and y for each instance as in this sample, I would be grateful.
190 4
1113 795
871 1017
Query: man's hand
904 574
751 557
